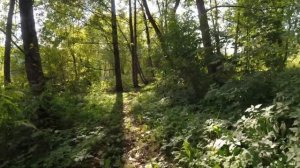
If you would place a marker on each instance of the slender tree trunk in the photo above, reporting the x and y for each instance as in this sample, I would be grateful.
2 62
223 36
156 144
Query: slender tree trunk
152 21
149 60
160 7
7 51
166 15
70 43
216 29
286 52
158 33
13 42
133 49
144 79
33 63
74 62
247 53
177 2
138 65
209 57
213 23
237 31
119 87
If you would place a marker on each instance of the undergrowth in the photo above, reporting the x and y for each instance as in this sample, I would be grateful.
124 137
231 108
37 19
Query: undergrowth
248 122
58 128
251 121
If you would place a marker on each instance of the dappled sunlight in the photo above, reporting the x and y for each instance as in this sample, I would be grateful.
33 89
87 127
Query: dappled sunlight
294 62
149 84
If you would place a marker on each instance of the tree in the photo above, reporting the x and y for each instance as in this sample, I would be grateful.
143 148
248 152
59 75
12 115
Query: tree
177 2
7 78
147 32
206 38
133 49
152 21
33 65
215 23
262 31
119 87
137 62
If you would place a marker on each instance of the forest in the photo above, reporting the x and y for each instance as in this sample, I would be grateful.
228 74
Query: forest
149 84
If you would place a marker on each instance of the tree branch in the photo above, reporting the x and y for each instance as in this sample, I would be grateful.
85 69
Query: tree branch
239 6
176 6
225 6
14 43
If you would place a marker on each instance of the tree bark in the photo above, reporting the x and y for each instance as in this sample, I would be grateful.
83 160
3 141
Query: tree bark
177 2
149 59
237 31
165 16
209 59
33 63
74 62
13 42
137 63
143 78
119 87
286 52
7 78
216 29
152 21
133 48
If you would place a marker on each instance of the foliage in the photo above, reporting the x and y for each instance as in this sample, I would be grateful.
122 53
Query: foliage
221 132
182 64
266 33
244 115
57 129
10 110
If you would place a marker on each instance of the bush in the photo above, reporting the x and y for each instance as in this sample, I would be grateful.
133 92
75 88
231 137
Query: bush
250 122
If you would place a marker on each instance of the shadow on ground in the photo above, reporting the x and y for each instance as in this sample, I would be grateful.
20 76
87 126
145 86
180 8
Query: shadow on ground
109 150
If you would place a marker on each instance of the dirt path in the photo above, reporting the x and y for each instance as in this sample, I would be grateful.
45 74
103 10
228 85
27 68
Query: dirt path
127 142
140 148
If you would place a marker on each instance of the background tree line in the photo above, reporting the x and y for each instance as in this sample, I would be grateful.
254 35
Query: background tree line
84 40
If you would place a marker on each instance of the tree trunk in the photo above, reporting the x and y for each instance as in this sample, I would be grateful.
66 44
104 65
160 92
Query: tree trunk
7 51
149 60
137 63
119 87
165 16
209 57
237 31
74 62
177 2
33 63
286 53
13 42
143 78
216 30
152 21
159 34
133 49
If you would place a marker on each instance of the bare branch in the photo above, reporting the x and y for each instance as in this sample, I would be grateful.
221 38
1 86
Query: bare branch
14 43
225 6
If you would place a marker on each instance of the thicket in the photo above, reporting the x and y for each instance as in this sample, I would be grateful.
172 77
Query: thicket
58 128
248 122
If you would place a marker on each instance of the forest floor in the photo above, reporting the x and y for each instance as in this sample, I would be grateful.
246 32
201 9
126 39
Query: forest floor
150 128
140 149
95 130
